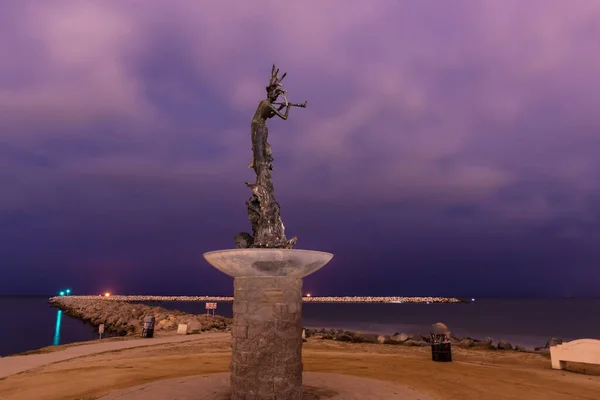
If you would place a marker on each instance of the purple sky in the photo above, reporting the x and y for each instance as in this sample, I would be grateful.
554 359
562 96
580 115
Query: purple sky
449 148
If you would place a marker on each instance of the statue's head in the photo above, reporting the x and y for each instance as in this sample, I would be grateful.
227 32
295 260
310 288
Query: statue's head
275 88
274 91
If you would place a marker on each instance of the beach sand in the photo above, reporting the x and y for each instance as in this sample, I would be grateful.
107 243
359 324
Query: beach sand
474 374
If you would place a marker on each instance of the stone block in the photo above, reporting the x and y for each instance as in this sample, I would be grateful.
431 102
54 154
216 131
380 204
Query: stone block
241 319
262 312
271 296
252 358
182 329
280 311
240 306
239 331
241 344
294 307
282 325
194 326
287 358
289 370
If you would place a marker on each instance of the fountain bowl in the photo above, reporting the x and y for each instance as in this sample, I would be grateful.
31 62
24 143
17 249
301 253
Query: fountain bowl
267 262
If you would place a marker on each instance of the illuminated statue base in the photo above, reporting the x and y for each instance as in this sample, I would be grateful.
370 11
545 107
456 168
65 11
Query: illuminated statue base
267 318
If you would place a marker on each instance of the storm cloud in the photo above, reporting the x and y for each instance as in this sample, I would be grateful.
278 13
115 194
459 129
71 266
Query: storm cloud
448 148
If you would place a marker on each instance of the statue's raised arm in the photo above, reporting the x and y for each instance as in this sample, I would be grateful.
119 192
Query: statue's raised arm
263 210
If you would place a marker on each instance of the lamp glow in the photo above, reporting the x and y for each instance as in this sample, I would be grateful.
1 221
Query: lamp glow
107 294
61 293
56 340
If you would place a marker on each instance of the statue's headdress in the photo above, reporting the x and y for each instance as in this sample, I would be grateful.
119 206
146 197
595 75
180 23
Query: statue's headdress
275 85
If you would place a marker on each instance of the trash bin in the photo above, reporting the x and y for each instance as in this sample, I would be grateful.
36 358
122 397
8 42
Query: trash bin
148 330
441 349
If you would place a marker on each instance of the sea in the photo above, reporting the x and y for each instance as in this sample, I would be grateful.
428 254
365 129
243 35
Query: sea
29 323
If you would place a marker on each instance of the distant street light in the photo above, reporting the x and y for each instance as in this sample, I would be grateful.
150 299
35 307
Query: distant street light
106 294
68 291
61 293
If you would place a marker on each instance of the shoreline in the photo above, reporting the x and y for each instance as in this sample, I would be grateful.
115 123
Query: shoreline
306 299
126 319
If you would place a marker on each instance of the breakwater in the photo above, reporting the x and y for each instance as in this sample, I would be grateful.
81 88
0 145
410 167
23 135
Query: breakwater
125 318
306 299
488 343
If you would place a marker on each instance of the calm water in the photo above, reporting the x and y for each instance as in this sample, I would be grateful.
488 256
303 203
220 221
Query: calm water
29 323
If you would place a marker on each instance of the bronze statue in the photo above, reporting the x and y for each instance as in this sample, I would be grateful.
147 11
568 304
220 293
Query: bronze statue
263 211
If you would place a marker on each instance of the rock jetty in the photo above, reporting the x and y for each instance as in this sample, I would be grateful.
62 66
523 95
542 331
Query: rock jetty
307 299
125 318
404 339
372 299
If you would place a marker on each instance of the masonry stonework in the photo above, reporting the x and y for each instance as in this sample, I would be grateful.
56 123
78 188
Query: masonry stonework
267 339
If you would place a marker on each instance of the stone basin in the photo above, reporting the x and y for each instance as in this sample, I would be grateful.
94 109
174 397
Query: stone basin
267 262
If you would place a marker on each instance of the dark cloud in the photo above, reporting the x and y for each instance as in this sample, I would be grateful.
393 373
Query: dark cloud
447 148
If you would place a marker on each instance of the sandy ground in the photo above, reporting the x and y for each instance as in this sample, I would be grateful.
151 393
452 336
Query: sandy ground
474 374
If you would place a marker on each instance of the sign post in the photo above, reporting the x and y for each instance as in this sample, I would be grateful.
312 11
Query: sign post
211 306
101 330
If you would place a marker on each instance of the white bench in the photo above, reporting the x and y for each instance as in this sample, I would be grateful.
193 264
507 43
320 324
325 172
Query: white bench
582 351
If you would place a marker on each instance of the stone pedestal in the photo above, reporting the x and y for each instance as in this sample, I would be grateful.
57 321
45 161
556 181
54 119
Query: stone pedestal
266 338
267 319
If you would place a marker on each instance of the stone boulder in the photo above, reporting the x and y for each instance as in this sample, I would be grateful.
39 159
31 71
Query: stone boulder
134 326
504 345
382 339
417 337
412 342
486 344
398 338
344 337
194 326
136 313
553 342
361 337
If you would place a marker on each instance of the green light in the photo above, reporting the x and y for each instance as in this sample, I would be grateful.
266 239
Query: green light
61 293
68 291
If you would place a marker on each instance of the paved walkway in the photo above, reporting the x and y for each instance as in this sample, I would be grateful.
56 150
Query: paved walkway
317 386
14 364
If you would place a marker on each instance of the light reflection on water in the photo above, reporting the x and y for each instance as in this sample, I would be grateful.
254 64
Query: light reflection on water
56 340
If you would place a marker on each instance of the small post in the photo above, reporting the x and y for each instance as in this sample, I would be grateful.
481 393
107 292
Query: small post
100 330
